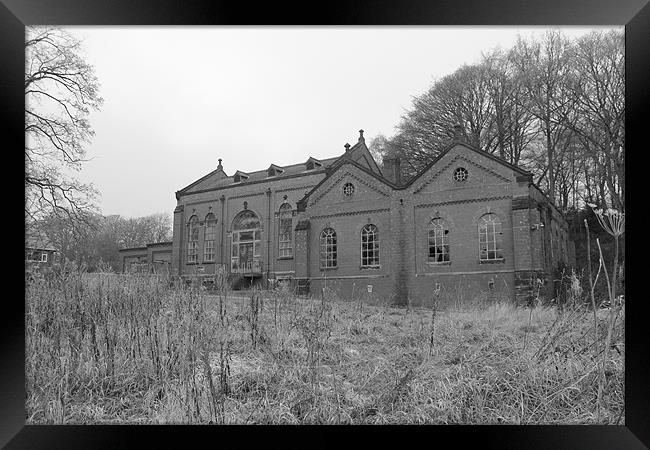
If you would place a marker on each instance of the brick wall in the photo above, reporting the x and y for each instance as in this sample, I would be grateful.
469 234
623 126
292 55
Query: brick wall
262 198
402 216
156 255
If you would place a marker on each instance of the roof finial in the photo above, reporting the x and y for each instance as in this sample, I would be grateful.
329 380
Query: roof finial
361 138
347 146
219 167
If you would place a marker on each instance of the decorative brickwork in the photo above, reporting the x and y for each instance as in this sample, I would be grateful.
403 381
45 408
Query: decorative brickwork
454 161
352 213
460 202
347 175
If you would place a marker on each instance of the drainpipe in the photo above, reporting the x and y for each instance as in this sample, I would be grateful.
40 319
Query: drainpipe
223 202
183 244
268 238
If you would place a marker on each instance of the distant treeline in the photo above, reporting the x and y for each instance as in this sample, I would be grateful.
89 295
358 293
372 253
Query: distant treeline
96 240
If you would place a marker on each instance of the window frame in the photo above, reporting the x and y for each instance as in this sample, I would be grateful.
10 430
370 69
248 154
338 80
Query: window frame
463 171
246 235
328 249
209 238
493 236
372 247
192 244
285 239
436 224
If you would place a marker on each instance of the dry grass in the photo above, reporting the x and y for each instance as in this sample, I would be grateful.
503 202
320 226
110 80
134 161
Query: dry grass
129 349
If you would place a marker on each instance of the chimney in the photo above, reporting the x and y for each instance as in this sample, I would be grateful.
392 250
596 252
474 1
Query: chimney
458 133
361 138
392 168
219 167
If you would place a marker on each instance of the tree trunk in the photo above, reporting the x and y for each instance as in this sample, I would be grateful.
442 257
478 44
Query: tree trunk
550 156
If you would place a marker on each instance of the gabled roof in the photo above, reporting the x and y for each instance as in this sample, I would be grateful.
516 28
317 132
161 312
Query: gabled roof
216 175
472 148
240 174
314 161
335 167
346 159
274 169
360 152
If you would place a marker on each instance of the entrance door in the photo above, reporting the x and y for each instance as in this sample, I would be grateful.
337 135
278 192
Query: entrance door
246 244
246 256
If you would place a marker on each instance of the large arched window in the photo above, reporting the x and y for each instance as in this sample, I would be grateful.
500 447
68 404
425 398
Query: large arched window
285 224
210 234
369 246
490 238
328 248
246 243
438 241
193 240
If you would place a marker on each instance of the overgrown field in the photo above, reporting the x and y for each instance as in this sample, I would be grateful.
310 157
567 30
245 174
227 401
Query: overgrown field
128 349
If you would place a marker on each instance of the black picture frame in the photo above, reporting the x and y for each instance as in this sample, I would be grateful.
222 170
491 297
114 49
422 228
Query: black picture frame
633 14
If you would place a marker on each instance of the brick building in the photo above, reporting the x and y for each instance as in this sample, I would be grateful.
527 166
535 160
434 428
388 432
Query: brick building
40 254
152 258
469 225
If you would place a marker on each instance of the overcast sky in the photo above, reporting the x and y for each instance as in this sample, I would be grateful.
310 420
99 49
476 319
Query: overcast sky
179 98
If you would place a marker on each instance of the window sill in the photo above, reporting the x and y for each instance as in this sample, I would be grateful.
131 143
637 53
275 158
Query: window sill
192 263
369 267
442 263
325 269
209 261
493 261
285 257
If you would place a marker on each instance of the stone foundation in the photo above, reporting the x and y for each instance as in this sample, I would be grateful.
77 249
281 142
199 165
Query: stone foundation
528 283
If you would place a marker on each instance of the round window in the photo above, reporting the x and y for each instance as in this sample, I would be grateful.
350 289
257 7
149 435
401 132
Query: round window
348 189
460 174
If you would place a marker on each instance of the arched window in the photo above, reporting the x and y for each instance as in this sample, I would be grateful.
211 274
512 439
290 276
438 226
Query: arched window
490 238
285 224
328 248
210 234
193 240
369 246
438 241
246 243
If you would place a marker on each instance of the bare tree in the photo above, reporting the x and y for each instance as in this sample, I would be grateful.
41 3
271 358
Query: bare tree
551 105
515 125
61 90
379 147
543 67
459 98
139 231
598 85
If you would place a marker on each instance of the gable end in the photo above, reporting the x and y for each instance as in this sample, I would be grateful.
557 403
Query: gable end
353 176
452 162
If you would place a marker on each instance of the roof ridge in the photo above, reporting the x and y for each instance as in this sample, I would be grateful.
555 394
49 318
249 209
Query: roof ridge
332 159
